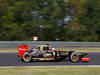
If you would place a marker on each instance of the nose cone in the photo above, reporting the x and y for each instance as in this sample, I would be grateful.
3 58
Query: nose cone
85 59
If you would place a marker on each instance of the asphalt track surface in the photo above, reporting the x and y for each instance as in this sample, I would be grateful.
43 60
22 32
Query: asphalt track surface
11 59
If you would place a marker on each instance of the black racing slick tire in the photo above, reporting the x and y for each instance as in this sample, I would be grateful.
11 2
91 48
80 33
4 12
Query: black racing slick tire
26 57
74 57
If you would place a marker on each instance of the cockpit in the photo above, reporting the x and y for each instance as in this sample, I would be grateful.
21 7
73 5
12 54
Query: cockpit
42 47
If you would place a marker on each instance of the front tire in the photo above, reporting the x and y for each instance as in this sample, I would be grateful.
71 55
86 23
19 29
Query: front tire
26 57
74 57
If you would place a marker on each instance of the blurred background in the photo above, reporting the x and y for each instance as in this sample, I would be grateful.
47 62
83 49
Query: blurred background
50 20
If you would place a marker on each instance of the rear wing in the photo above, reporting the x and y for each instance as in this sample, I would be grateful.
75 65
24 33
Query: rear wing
22 49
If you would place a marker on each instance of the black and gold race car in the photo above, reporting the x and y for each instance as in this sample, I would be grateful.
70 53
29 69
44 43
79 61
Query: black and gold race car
45 53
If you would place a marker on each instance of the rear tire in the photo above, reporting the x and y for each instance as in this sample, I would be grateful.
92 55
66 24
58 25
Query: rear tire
74 57
26 57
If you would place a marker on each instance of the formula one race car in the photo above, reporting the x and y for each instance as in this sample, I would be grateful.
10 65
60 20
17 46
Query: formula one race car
45 53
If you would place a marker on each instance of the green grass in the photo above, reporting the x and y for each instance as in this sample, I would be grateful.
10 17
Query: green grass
82 49
76 49
51 71
8 50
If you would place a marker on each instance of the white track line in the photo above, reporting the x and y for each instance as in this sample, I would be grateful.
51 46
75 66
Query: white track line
50 66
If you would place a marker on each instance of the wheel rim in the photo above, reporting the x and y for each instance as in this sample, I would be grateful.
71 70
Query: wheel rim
74 58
